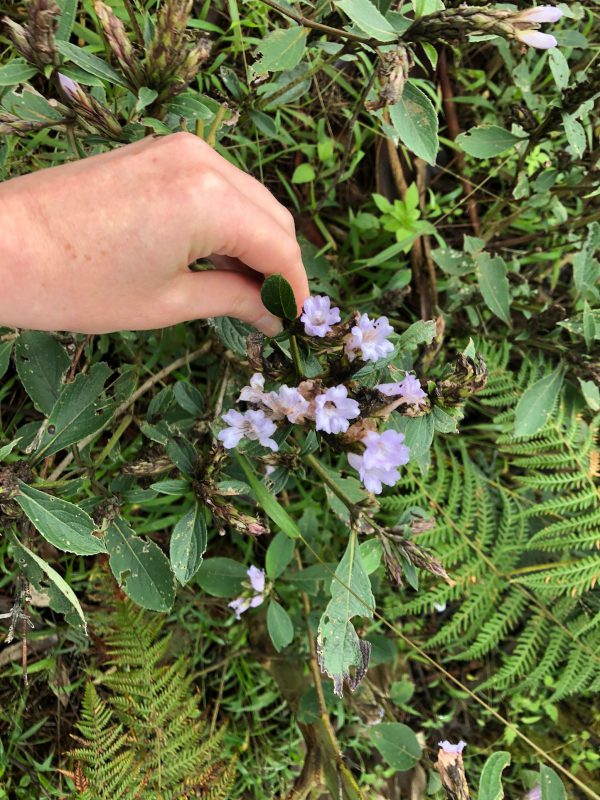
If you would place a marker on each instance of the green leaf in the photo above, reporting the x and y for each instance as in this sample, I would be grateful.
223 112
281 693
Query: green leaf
339 647
415 121
270 505
304 173
490 782
278 297
279 625
491 274
418 433
418 333
90 63
559 67
188 544
55 579
140 566
401 691
536 403
279 554
397 744
232 333
371 553
551 785
174 486
5 351
281 50
15 72
146 97
368 18
591 393
41 365
67 18
79 411
221 577
189 106
575 133
487 141
7 449
61 523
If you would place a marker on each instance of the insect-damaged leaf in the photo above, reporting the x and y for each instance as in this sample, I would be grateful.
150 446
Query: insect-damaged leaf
140 566
339 647
188 543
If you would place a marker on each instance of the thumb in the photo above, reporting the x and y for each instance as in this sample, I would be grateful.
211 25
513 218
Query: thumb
216 293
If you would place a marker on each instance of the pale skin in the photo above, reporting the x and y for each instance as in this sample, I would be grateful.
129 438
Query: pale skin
104 244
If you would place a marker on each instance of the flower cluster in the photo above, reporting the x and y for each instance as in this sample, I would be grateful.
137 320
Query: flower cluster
331 408
253 599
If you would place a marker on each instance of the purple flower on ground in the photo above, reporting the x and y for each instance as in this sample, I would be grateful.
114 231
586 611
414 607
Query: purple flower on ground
535 793
255 392
378 464
369 338
319 316
409 389
257 582
251 424
287 402
448 747
334 409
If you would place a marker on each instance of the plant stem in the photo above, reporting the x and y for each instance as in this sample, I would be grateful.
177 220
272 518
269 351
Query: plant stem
295 355
327 479
318 26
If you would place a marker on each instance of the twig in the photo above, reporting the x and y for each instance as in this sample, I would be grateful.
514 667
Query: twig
318 26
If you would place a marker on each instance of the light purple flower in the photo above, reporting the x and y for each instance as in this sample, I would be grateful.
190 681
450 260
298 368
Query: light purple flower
543 41
251 424
535 793
257 578
255 392
448 747
409 389
287 402
319 316
369 338
68 85
333 409
383 454
257 582
540 14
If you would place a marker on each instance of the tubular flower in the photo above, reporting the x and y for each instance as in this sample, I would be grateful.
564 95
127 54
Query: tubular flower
448 747
319 316
526 22
251 424
334 409
370 339
255 392
257 583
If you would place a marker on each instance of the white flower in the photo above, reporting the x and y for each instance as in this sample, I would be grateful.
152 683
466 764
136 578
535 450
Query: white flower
287 402
447 747
251 424
543 41
369 338
333 409
540 14
254 393
319 316
409 389
383 454
257 582
532 17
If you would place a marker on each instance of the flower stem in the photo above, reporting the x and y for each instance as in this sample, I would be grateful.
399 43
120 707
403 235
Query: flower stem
295 355
315 464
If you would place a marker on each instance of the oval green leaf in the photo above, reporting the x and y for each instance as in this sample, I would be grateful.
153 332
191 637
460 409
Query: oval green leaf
278 297
537 402
397 744
61 523
221 577
490 783
188 544
279 625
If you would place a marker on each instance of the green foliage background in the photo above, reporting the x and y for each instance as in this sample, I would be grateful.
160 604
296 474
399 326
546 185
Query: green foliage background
473 201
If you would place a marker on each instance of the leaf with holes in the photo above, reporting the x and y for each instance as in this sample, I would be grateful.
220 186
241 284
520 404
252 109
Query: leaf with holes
415 121
281 50
339 646
42 363
188 544
487 141
61 523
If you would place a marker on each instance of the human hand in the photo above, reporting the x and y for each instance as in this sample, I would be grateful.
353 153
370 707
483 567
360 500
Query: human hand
104 244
